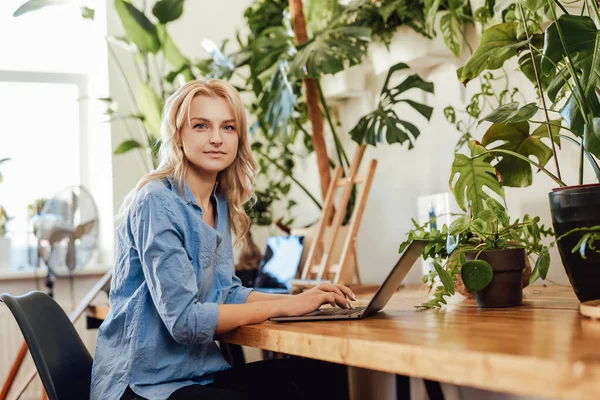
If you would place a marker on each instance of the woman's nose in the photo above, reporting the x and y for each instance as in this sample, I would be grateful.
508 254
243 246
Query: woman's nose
216 138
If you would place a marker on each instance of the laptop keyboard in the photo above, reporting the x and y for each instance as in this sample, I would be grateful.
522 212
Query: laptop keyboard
338 311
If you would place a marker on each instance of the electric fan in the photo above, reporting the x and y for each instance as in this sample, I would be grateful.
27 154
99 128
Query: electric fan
67 233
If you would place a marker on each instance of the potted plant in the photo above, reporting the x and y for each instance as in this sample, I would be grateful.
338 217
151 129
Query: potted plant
487 255
557 54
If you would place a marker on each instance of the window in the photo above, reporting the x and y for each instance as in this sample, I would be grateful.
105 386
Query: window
53 67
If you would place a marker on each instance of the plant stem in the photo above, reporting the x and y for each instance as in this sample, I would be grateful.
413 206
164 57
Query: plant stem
338 145
512 153
142 160
569 63
539 84
581 155
590 157
595 8
560 6
159 72
577 83
288 174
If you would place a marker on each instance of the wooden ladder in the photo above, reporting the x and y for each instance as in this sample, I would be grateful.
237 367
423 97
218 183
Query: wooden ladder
319 266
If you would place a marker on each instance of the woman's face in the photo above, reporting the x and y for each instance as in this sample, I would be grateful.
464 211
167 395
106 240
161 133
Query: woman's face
210 141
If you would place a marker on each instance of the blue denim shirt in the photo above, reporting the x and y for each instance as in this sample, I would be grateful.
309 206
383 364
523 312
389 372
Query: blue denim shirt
172 270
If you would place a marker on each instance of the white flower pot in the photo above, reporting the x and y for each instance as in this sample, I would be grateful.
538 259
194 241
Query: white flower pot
418 51
5 252
349 83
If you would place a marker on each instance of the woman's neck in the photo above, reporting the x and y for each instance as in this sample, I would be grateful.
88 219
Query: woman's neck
201 185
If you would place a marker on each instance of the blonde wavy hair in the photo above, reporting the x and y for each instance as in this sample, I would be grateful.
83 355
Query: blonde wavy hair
235 182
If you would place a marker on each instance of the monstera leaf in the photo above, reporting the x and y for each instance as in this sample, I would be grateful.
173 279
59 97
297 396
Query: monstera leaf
498 44
331 51
515 137
511 113
384 121
582 45
470 175
273 45
277 102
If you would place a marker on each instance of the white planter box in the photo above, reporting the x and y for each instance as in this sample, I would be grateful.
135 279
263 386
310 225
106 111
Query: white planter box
5 252
349 83
419 52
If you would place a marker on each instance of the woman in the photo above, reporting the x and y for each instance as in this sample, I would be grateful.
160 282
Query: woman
174 288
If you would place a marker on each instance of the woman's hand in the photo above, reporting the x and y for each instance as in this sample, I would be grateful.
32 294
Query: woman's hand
310 300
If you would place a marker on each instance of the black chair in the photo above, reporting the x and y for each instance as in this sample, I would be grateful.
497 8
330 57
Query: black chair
62 361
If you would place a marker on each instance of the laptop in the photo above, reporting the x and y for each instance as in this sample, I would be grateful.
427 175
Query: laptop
279 264
383 295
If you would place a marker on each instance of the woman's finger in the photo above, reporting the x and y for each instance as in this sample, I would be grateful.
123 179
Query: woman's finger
346 290
342 301
328 287
328 298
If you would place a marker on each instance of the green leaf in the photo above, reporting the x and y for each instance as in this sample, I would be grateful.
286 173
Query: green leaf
498 209
33 5
277 103
168 10
511 113
150 106
430 11
272 46
515 235
515 137
450 32
138 27
127 145
542 130
474 174
476 275
591 137
330 51
384 121
498 44
87 13
444 277
479 225
175 58
582 40
487 216
543 262
387 9
460 225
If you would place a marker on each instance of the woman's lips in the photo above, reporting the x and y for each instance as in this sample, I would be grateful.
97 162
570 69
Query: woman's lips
214 154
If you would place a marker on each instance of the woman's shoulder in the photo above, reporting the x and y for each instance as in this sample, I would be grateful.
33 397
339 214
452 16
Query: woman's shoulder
156 193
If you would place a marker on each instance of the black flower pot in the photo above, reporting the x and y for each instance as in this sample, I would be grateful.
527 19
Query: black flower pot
506 288
577 207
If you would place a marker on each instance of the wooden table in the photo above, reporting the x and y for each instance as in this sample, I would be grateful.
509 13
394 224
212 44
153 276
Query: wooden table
544 347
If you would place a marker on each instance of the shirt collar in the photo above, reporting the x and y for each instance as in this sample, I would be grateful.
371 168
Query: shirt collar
189 197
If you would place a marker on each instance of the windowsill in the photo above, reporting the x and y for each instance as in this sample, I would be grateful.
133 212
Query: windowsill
9 274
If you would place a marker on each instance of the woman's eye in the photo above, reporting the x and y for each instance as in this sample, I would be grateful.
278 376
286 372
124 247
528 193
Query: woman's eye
200 126
229 128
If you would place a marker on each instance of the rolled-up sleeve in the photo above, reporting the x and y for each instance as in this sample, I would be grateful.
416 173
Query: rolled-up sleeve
169 273
237 293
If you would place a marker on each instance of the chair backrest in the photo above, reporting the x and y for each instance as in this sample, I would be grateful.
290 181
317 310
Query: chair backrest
62 360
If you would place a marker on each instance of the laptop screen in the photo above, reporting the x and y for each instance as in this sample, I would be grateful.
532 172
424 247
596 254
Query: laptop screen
279 262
